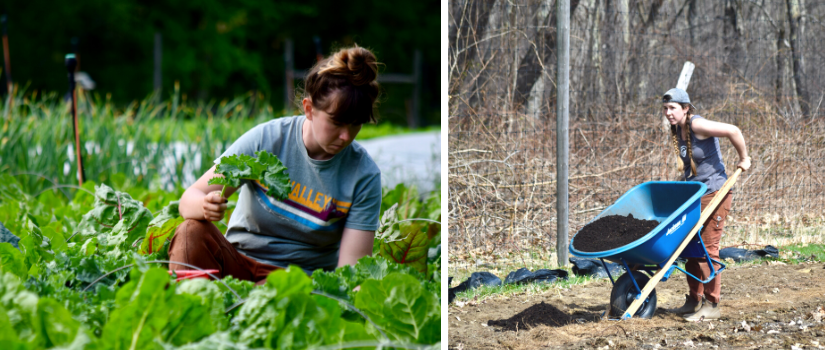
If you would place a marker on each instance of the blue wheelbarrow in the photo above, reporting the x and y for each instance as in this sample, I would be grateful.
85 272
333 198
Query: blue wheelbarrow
677 208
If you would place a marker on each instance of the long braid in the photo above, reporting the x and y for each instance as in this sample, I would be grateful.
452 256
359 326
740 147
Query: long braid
681 164
690 147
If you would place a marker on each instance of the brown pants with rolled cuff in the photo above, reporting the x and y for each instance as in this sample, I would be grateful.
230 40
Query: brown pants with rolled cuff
200 243
711 235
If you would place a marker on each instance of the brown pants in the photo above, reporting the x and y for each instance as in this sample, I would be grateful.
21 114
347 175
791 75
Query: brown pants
711 235
200 243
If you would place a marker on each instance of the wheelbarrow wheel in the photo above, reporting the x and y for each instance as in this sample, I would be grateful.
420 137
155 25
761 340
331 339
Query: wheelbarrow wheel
624 293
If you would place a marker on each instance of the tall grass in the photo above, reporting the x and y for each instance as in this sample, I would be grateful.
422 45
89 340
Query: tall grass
151 143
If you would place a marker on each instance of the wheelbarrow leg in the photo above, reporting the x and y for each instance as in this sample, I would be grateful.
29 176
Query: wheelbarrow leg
608 271
713 271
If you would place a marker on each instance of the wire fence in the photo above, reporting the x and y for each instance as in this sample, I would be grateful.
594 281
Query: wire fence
758 66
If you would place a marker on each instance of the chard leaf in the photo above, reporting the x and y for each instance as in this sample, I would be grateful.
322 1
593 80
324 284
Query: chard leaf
211 297
405 197
266 168
8 336
150 309
56 240
89 247
344 279
387 229
189 320
402 307
116 217
161 229
58 326
283 315
289 281
13 261
20 306
34 246
411 249
141 313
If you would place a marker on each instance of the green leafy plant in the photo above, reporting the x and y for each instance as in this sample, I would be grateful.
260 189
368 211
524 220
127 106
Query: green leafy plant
402 307
409 228
267 169
77 279
160 231
284 315
116 220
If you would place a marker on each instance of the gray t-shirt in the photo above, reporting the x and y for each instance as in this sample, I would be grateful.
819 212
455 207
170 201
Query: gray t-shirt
710 169
327 196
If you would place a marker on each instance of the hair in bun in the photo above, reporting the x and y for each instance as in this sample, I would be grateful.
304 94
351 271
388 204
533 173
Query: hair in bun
344 85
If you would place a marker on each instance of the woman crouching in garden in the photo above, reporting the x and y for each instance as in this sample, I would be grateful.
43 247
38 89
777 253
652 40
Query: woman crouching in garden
330 216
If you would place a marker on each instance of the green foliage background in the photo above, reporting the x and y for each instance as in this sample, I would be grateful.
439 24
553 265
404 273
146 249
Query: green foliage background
219 49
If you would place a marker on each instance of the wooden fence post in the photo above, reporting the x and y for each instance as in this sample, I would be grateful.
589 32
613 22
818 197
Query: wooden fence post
290 74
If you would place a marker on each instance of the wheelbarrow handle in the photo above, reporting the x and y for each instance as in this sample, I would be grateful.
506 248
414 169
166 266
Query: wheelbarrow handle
651 284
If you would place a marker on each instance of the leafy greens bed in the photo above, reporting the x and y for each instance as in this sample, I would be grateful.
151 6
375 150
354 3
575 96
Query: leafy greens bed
89 273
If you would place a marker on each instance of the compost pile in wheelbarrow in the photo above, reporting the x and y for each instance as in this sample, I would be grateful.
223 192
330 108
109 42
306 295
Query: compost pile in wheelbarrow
612 231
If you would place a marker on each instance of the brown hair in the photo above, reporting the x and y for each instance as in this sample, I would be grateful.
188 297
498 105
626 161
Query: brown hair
344 85
674 136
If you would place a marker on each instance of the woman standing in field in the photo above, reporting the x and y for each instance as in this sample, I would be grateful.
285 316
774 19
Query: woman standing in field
696 141
331 214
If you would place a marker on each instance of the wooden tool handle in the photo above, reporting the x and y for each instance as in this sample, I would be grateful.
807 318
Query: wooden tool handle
702 218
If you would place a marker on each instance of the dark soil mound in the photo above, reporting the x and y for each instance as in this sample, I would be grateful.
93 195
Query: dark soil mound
612 231
538 314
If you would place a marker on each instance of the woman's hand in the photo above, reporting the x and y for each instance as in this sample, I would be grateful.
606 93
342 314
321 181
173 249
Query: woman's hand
203 201
745 164
214 206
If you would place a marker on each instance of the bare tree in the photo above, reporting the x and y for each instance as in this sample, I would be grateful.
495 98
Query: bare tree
534 61
467 25
732 35
794 19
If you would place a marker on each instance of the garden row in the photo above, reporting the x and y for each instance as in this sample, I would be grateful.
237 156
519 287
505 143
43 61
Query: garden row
84 269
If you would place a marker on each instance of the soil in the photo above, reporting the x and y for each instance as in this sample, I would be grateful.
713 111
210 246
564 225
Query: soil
612 231
763 306
538 314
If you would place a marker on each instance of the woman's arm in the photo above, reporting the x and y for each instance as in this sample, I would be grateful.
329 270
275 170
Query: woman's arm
355 244
708 128
202 201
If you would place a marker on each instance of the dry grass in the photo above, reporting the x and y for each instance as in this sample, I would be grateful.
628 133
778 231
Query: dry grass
502 184
502 144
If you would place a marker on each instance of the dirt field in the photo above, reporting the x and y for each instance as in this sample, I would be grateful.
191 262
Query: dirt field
764 306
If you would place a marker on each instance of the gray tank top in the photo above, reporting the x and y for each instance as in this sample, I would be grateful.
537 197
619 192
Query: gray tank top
710 169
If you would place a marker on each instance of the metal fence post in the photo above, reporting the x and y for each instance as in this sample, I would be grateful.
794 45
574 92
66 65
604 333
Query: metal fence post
562 123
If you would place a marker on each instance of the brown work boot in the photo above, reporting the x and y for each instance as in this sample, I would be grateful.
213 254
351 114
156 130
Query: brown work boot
708 312
691 306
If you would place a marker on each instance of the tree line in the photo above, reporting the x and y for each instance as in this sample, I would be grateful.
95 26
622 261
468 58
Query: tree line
215 49
627 52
